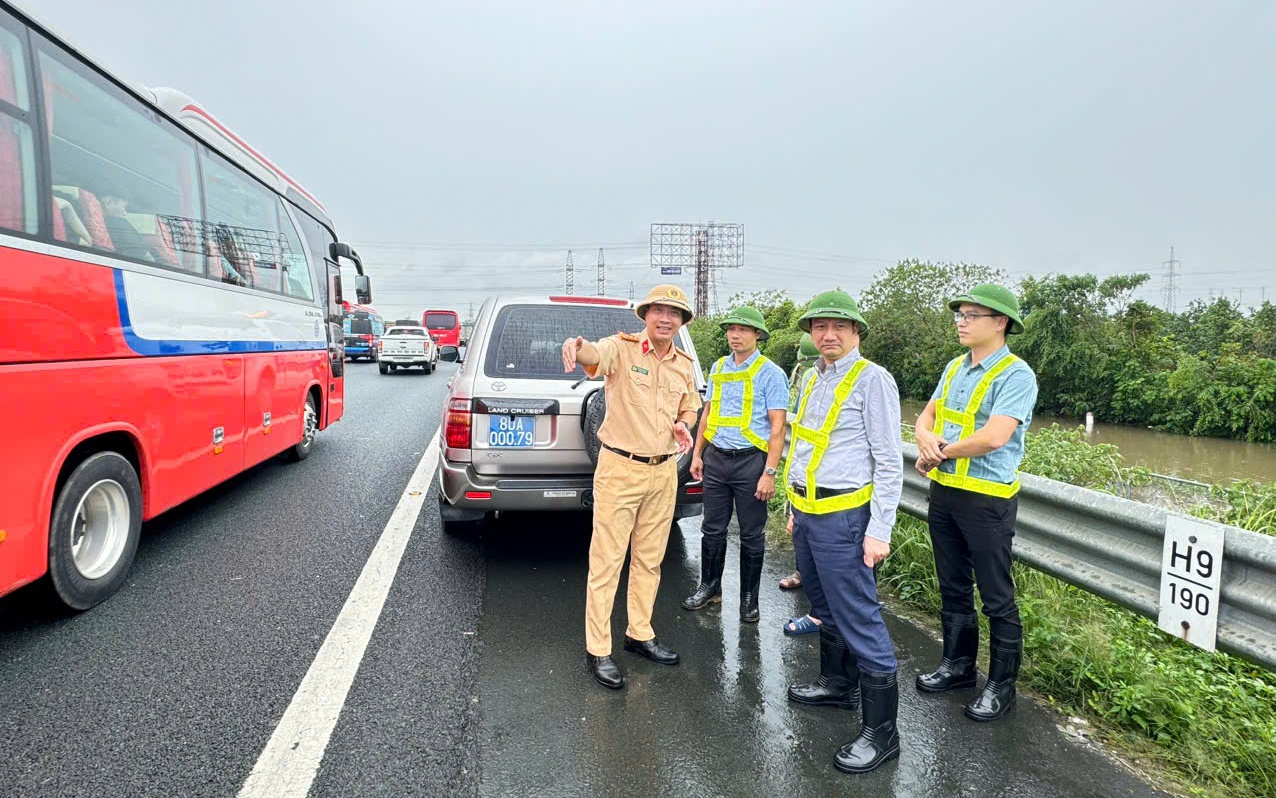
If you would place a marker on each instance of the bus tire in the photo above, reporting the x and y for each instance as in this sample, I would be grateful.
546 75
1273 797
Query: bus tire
309 428
94 530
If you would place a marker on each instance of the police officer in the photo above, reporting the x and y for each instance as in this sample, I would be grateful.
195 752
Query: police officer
652 403
970 440
844 478
737 453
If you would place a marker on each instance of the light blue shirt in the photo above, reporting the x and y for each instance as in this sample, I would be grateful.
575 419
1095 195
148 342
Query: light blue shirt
865 444
1013 393
770 392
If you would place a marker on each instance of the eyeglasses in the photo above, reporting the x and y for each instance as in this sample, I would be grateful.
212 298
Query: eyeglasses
959 317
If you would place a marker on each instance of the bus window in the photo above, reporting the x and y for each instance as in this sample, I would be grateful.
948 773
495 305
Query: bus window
121 170
17 144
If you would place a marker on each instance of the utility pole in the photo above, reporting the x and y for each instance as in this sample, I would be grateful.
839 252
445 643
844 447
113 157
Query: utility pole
602 277
571 275
1171 283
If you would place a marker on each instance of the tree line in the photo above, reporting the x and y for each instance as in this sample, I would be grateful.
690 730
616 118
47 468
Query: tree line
1209 370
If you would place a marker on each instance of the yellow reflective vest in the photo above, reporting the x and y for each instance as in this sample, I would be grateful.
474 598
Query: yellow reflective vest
966 418
819 440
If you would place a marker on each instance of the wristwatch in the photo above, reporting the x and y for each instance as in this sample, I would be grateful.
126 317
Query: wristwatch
770 472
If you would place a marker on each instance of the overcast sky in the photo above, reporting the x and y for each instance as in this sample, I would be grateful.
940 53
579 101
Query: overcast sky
1081 136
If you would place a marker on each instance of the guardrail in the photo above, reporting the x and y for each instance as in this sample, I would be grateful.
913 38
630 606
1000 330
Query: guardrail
1112 547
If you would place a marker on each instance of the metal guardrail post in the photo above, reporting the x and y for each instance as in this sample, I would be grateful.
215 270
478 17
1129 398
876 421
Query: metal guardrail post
1112 547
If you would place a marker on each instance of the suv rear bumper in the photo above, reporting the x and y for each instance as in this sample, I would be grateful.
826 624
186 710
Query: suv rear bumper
532 492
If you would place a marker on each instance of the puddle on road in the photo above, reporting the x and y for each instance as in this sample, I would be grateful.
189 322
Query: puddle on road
718 724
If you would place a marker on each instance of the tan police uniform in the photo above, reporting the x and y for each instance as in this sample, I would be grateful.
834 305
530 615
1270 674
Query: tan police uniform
633 497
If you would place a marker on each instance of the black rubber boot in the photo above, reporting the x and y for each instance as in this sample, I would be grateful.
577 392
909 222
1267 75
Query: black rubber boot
957 667
750 581
838 685
713 556
878 740
998 695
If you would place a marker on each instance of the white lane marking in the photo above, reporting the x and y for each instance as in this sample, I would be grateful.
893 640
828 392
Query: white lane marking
287 765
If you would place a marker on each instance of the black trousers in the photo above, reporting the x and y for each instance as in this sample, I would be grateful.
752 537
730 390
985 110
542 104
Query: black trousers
733 481
972 533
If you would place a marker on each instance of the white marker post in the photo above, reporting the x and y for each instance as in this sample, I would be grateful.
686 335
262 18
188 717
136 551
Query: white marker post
1191 569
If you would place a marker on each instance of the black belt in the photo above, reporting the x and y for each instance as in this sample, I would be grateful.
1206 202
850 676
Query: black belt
824 493
736 452
655 459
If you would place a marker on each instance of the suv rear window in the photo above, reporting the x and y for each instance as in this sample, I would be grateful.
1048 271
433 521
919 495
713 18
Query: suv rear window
527 340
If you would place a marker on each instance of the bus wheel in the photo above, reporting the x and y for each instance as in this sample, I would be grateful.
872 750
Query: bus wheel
309 426
93 534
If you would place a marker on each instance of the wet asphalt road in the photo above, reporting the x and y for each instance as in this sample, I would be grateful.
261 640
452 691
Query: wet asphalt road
473 682
718 724
174 685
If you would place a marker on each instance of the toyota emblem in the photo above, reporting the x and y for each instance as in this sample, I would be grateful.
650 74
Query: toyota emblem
498 386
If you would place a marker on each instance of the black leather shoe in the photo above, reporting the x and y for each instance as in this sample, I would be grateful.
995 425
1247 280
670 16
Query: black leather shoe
838 685
750 580
957 667
878 740
998 695
713 556
605 671
652 650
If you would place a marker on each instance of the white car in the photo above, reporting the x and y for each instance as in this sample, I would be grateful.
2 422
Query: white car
405 347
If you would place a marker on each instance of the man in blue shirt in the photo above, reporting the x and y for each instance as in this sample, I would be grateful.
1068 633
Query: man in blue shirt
737 453
970 440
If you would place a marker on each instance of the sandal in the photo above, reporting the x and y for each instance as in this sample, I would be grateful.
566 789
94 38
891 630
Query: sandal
801 626
791 582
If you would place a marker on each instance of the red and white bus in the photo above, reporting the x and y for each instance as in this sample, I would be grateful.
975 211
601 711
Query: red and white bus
444 326
171 306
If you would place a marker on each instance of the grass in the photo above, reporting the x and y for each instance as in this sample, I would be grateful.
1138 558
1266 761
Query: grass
1205 721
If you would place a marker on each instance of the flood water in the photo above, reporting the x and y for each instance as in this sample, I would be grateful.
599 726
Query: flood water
1201 459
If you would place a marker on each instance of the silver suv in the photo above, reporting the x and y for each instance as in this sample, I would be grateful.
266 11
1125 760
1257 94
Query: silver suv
518 433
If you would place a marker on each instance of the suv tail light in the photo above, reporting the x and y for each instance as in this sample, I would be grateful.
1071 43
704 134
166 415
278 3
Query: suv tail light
457 430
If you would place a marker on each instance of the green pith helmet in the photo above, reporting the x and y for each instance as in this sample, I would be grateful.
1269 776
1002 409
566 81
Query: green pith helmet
806 348
833 305
993 297
749 317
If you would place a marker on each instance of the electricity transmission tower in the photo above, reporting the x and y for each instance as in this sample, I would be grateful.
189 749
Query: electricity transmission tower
571 275
1171 283
602 277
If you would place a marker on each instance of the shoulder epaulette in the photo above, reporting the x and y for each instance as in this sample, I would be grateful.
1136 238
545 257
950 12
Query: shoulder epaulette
684 354
633 339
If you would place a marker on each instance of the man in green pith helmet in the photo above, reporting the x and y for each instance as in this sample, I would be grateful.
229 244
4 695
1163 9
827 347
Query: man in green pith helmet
970 442
737 455
844 477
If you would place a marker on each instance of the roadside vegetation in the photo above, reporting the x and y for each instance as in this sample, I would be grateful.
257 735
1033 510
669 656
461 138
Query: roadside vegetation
1209 370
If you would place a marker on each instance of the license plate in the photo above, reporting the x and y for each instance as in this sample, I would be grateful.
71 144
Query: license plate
511 432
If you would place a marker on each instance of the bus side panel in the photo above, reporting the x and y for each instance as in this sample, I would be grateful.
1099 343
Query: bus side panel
173 403
57 309
278 384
